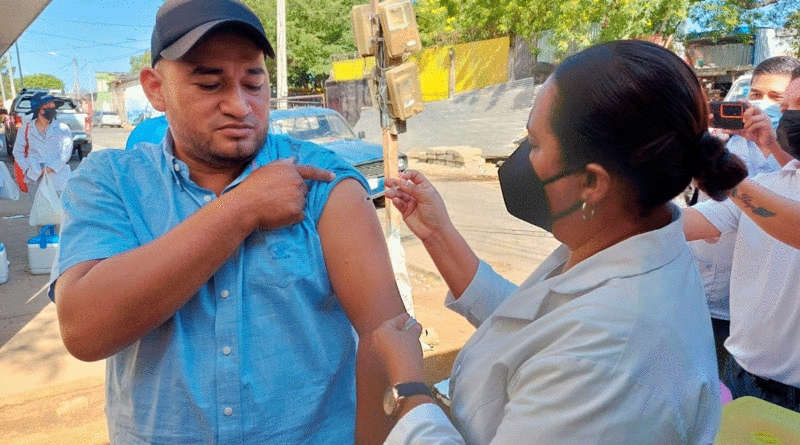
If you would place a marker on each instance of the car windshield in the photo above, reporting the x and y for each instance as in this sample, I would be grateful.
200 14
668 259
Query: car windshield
316 127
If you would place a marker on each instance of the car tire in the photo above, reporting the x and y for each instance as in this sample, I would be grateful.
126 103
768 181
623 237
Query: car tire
9 146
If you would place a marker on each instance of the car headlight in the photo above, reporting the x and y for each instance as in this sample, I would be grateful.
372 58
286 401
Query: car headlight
402 163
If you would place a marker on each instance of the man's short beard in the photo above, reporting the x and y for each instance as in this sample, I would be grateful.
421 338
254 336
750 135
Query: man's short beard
211 156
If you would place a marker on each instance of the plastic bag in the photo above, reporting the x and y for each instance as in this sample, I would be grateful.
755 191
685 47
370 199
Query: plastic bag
46 207
8 185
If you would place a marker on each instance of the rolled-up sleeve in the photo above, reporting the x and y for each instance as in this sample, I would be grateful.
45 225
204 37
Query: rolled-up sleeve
483 295
425 424
722 215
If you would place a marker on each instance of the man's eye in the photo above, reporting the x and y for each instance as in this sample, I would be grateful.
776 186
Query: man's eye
208 87
254 88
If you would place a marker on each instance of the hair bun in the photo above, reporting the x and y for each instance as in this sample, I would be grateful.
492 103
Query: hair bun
716 171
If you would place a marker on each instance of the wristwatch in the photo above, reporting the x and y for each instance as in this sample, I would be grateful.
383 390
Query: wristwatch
395 395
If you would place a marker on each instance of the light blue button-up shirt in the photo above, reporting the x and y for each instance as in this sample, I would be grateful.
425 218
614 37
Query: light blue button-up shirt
263 354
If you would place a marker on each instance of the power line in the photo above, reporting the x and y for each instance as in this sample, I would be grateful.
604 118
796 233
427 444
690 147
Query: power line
83 40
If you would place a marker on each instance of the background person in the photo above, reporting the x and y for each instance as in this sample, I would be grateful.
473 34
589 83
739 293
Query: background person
769 81
216 271
48 142
765 308
609 340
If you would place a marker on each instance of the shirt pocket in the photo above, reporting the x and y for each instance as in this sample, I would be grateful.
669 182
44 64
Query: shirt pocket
281 257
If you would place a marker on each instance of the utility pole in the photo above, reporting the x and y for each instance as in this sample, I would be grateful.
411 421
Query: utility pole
283 88
11 75
3 86
389 125
77 85
19 62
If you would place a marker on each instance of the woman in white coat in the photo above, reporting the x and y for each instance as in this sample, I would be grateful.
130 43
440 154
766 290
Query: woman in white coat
609 340
44 144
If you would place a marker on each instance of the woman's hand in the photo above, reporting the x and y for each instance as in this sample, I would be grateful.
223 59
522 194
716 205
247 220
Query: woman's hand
397 342
418 201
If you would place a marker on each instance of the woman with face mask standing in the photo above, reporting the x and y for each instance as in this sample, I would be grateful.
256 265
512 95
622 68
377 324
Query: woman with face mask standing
43 144
609 340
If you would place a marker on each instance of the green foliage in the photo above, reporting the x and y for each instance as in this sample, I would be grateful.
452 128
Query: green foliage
46 81
315 30
793 26
139 62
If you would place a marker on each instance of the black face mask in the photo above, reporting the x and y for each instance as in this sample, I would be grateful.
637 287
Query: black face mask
524 193
49 114
788 132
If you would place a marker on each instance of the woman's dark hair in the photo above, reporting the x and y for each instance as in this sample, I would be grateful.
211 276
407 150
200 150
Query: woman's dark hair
638 110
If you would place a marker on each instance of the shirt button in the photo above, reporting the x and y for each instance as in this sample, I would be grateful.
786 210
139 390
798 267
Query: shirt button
207 198
226 350
224 294
177 167
228 411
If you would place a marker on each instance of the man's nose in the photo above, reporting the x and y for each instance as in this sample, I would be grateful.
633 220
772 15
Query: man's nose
235 102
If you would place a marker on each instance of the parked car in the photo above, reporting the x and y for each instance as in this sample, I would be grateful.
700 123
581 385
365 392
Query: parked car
106 119
739 89
329 129
69 113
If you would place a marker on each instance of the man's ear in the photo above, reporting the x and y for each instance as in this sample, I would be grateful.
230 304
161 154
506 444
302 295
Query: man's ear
152 82
598 184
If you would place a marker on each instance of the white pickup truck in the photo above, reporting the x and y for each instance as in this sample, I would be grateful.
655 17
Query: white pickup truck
69 113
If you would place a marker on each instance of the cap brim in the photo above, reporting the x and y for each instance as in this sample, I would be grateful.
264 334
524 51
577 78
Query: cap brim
190 39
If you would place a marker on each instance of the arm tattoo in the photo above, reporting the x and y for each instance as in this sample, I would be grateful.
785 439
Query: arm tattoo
747 201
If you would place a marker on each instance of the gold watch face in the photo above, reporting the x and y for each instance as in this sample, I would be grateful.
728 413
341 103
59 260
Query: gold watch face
389 402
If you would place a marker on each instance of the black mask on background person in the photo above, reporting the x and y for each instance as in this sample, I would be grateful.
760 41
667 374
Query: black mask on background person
49 114
788 132
523 190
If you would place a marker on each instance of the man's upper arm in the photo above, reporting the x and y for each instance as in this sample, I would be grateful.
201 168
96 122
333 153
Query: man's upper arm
357 258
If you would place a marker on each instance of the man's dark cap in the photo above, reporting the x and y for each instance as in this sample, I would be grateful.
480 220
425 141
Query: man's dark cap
181 24
40 98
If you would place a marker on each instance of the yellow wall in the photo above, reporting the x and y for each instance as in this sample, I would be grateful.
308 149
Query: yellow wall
477 65
481 64
434 73
352 69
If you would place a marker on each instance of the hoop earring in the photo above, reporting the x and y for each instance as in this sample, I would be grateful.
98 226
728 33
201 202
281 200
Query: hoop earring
587 212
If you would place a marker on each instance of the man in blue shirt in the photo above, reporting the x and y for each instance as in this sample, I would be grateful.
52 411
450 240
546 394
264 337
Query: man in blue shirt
221 272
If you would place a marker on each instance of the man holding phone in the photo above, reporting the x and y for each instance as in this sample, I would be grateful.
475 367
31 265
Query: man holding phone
755 143
763 213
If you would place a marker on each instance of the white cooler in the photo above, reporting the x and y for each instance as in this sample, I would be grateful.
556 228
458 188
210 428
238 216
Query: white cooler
42 250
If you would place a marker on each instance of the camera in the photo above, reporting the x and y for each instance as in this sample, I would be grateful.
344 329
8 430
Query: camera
728 115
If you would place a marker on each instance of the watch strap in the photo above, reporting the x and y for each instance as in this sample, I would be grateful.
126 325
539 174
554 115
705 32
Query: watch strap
412 389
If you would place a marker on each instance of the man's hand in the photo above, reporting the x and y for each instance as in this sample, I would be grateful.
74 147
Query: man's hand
758 128
276 192
48 170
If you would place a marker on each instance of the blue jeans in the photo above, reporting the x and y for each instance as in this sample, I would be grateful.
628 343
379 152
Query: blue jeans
742 383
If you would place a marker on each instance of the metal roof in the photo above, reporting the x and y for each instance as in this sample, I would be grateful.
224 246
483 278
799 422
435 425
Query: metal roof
15 17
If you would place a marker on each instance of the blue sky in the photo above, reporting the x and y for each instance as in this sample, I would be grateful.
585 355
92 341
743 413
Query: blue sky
101 34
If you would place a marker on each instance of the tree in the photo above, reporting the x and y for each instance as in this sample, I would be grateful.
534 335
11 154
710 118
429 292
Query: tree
793 26
315 30
585 22
44 81
139 62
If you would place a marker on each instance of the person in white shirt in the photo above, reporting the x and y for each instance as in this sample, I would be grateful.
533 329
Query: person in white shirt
44 144
765 292
714 259
609 340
